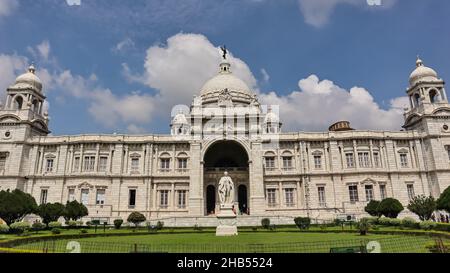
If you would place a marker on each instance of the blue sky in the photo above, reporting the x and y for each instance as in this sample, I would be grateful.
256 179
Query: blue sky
103 48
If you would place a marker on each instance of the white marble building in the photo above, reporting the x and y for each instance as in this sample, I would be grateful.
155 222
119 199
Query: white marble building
276 173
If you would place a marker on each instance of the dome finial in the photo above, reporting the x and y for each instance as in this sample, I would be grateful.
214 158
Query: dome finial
419 61
31 68
224 65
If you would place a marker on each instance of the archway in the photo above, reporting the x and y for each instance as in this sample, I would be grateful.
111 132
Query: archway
210 199
223 156
242 199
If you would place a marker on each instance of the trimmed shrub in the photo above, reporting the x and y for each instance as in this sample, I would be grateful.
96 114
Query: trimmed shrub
395 222
37 226
72 224
56 231
159 225
20 227
302 222
136 218
83 231
372 208
442 227
423 206
427 225
265 223
443 202
390 207
409 222
4 228
370 220
54 225
118 223
384 221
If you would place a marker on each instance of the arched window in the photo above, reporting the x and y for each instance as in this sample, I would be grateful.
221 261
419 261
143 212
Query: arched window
433 96
18 102
417 99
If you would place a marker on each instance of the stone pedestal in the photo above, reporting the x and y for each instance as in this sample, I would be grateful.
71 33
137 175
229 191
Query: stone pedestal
227 221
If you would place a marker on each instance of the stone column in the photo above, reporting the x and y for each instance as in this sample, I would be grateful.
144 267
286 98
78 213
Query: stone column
257 204
196 181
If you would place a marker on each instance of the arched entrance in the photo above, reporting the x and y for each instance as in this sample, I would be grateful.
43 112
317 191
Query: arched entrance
242 199
210 199
230 156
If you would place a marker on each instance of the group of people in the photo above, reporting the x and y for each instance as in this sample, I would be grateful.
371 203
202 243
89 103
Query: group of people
440 217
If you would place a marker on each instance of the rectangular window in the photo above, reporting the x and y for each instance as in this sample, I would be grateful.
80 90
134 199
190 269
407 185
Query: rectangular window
44 194
270 163
103 164
135 164
318 162
271 197
49 165
76 164
403 160
289 197
2 162
287 162
165 164
71 195
182 199
376 159
132 197
85 197
321 193
100 200
353 192
411 194
363 159
89 163
383 192
350 161
164 199
369 193
448 152
182 163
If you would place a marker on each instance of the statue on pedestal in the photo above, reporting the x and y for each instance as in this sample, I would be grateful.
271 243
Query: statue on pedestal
226 218
226 190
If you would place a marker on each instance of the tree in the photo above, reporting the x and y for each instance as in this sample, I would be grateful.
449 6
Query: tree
74 211
363 226
423 206
136 218
443 202
15 205
302 222
390 207
372 208
51 212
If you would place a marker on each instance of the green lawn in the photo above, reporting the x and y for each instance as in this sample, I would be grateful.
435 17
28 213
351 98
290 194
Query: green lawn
246 241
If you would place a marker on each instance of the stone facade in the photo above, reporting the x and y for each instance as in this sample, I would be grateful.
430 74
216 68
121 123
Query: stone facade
322 175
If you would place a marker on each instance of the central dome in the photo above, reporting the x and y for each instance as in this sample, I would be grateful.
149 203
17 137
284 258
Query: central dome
225 80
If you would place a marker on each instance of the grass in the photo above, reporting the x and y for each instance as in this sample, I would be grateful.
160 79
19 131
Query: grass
260 241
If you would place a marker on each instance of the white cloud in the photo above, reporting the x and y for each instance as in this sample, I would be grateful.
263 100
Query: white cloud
179 68
123 46
317 12
266 76
7 7
318 104
10 67
44 49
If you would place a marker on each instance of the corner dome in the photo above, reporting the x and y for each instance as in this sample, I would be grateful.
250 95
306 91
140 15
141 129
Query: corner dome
28 80
179 119
271 117
422 73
